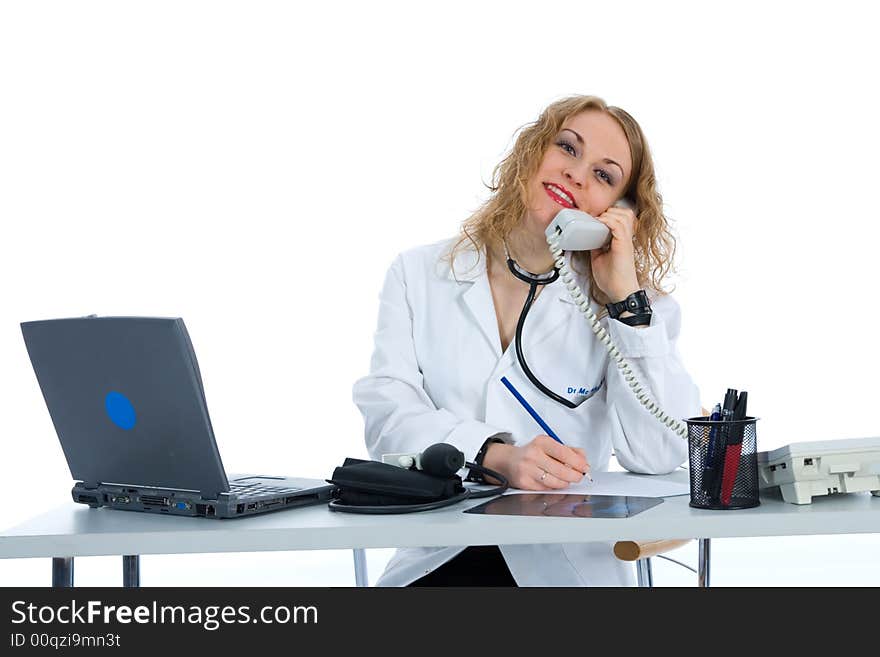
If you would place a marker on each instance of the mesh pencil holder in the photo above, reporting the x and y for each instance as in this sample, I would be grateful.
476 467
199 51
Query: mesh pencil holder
723 463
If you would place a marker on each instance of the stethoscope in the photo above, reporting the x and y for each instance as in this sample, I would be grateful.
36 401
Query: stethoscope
534 280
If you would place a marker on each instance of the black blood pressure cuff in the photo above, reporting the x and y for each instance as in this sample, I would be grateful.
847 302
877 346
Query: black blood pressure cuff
373 483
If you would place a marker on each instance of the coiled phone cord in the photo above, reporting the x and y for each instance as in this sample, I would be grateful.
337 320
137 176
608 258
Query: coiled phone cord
582 301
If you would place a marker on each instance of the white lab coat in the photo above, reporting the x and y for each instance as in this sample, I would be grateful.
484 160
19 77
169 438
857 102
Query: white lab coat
435 377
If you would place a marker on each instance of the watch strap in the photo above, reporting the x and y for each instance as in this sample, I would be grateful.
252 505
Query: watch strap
637 303
643 319
477 477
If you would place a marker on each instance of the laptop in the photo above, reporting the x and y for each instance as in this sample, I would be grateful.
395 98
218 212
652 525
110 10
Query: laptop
126 398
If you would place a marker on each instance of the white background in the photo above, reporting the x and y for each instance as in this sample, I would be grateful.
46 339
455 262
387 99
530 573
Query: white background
255 167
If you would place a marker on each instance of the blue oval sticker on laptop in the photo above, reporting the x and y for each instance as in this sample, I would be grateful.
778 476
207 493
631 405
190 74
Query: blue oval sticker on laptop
120 410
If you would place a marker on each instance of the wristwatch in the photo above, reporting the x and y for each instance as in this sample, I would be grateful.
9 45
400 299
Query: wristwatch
637 303
477 477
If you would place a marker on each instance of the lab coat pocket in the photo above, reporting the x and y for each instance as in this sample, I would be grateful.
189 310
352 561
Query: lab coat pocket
585 427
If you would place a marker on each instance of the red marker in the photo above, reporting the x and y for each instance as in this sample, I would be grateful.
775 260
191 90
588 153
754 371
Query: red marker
734 449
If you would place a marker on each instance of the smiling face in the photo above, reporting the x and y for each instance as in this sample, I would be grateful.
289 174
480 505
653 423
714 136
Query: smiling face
587 166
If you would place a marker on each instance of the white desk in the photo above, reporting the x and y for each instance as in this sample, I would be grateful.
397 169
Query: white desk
72 530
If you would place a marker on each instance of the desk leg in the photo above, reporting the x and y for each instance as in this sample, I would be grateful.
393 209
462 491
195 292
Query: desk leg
643 572
62 572
360 567
703 567
131 571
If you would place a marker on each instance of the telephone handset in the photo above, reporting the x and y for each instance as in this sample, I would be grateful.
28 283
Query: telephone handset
579 231
573 230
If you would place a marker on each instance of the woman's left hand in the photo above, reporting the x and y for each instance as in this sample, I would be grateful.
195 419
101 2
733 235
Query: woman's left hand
614 267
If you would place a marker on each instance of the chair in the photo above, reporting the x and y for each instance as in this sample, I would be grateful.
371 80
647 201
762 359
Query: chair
642 551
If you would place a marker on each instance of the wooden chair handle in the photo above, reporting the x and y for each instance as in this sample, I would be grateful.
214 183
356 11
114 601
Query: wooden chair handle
635 550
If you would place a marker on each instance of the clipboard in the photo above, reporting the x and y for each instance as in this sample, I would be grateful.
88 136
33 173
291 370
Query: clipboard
565 505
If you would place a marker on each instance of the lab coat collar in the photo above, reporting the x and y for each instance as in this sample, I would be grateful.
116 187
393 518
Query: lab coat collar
469 267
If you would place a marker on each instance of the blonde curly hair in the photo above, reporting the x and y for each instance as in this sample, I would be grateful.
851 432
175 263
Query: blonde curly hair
503 211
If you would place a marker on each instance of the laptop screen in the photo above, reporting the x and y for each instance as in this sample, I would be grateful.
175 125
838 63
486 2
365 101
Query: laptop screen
126 399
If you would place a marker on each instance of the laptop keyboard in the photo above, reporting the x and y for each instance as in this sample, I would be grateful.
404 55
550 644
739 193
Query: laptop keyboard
252 489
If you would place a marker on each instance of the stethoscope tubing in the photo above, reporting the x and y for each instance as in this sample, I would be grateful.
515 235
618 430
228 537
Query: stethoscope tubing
533 280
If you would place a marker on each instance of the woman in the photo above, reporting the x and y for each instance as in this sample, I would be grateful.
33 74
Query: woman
448 314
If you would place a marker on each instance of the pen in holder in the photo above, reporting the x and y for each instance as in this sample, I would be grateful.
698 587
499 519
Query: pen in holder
723 458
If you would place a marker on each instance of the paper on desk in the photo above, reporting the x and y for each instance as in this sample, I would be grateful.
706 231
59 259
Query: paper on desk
623 483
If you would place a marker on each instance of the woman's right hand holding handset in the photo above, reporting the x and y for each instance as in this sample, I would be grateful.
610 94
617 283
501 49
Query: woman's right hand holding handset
541 464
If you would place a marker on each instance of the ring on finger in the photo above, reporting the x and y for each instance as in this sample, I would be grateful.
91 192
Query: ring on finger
543 475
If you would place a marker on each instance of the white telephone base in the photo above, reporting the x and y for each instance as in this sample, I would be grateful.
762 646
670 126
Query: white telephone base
824 467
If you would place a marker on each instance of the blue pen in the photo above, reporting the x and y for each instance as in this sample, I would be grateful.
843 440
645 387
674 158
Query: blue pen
715 417
531 410
534 415
711 457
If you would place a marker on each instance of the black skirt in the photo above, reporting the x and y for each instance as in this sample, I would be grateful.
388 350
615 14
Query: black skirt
479 565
